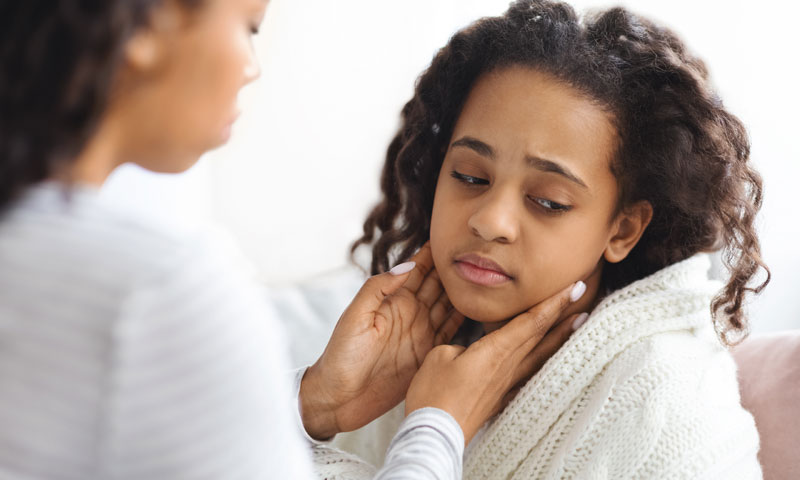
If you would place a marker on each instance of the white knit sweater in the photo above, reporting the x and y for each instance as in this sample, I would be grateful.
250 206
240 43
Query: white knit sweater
643 390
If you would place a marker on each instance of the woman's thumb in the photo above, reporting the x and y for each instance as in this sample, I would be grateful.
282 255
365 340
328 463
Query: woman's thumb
380 286
402 269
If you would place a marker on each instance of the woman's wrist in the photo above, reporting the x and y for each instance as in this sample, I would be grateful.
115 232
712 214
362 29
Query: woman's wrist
317 410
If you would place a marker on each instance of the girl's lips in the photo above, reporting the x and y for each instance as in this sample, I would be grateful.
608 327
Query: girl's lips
480 271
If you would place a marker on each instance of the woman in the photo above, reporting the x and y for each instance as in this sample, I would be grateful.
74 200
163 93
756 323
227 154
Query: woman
127 352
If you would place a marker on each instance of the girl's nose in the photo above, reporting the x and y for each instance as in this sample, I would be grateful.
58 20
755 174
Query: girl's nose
496 219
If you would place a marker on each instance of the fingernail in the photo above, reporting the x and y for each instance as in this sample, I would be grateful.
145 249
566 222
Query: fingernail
403 268
577 291
578 323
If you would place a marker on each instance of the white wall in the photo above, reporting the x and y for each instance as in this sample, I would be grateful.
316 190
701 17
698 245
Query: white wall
301 172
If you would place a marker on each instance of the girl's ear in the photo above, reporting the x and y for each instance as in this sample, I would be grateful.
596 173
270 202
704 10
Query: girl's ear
627 230
148 47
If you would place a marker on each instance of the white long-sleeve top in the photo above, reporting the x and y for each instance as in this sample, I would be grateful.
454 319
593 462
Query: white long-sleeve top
131 353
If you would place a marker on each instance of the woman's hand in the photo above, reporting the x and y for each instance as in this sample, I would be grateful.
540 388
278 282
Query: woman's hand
473 384
376 348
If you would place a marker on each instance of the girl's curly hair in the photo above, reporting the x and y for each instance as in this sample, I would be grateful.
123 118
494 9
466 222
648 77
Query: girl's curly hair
678 148
58 59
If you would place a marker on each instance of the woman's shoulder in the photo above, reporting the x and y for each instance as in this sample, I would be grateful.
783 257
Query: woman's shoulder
98 262
76 230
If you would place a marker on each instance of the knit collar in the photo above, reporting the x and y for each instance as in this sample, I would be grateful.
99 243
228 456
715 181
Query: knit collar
674 298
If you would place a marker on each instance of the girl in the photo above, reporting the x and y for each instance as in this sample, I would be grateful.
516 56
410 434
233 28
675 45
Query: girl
128 352
540 149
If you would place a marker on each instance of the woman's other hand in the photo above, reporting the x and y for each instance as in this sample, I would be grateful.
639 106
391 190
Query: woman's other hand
376 348
473 384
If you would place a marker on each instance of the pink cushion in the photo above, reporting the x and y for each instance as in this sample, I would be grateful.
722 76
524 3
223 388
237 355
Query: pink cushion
769 379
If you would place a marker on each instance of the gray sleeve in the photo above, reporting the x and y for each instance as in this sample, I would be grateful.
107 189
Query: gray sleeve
429 444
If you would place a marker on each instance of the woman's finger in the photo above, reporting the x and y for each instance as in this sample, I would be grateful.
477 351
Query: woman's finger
424 260
547 347
376 289
449 327
430 290
445 354
507 398
440 310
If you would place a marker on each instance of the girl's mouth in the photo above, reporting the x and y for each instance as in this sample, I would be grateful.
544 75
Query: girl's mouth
480 271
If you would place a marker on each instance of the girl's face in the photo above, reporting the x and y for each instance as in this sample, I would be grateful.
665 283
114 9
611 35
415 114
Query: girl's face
525 201
188 66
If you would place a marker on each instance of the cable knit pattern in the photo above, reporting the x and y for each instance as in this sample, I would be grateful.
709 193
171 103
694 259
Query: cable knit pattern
643 390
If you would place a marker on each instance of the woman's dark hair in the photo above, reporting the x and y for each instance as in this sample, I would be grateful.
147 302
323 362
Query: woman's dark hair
678 147
57 64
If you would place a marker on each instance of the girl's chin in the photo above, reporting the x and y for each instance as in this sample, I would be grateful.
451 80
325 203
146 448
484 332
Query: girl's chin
481 315
481 306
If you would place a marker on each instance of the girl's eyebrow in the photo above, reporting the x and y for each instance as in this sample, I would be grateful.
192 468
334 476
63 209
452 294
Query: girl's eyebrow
485 150
553 167
479 147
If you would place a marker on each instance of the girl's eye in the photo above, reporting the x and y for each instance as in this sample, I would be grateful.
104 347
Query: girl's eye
254 30
550 206
468 179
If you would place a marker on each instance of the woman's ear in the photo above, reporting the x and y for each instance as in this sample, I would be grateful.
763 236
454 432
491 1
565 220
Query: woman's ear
629 225
148 47
143 52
